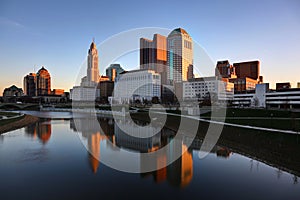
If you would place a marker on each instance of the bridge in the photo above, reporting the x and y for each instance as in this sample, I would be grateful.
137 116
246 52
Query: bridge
18 106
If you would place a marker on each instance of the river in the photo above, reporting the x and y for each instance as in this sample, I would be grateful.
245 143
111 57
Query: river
58 158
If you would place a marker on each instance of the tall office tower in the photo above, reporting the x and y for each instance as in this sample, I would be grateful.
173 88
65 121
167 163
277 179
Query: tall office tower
225 70
247 69
180 55
29 84
153 55
113 71
43 82
93 68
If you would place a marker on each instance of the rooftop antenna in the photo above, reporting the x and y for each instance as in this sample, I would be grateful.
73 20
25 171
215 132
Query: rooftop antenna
94 39
34 68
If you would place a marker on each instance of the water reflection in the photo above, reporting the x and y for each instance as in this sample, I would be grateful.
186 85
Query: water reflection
104 130
40 130
243 165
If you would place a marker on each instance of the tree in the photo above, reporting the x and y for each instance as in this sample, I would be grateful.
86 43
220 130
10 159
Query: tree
155 100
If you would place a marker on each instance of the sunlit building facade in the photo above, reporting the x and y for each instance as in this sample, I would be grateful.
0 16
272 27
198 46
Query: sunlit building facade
153 55
225 70
180 56
43 82
93 68
200 88
249 69
87 91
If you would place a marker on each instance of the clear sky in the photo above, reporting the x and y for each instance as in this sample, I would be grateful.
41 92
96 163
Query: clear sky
57 34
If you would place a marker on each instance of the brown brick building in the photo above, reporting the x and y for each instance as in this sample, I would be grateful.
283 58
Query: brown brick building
250 69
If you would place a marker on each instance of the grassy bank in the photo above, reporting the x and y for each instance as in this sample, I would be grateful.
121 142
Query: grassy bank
283 120
16 123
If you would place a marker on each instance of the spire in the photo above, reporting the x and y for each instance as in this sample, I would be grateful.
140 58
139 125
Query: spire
93 45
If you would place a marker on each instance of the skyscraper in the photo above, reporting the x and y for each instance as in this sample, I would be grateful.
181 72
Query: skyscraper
43 82
88 91
29 84
180 56
93 68
113 71
153 55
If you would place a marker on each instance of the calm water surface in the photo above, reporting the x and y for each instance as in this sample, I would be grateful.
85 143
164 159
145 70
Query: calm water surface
49 160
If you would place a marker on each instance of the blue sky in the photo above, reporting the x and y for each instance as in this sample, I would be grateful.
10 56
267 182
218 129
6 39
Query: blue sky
57 34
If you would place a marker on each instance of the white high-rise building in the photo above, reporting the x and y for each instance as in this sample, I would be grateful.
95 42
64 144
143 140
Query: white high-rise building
87 91
92 77
180 56
92 67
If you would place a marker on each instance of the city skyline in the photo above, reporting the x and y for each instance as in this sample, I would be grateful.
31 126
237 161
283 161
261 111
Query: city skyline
266 36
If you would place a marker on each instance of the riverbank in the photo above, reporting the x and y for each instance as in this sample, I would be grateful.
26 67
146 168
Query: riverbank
16 123
265 118
273 148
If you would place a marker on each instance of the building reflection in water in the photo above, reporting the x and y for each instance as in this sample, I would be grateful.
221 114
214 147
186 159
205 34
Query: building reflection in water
90 130
178 174
40 130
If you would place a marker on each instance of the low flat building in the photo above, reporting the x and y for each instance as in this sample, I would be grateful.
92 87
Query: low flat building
263 97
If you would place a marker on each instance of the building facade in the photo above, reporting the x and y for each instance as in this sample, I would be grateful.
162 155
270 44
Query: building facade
88 91
207 87
92 66
265 98
12 91
43 82
137 84
113 71
250 69
29 84
179 56
281 86
153 55
106 90
243 85
225 70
